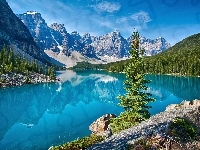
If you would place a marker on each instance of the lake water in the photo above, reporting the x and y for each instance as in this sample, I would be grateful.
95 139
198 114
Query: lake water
41 115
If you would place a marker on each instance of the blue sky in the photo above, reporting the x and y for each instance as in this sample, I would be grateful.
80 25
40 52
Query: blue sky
171 19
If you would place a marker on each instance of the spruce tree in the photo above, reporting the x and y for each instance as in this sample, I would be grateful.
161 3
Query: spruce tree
11 56
52 73
136 98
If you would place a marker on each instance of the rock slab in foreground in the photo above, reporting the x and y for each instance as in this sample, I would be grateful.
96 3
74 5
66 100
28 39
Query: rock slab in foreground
157 125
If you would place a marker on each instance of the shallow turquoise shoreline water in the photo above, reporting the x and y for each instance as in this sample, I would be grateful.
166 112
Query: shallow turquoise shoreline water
41 115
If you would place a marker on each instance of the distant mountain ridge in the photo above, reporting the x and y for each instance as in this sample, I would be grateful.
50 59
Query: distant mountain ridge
57 41
152 47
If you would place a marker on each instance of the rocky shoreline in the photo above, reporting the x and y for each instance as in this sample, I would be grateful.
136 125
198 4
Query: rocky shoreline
156 125
14 79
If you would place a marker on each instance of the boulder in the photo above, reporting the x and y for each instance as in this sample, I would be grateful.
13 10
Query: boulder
101 125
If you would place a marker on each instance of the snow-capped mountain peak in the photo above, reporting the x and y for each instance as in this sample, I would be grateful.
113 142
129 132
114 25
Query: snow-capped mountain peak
111 45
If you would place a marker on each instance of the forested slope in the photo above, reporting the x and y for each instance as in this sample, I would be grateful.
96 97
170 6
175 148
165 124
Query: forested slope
183 58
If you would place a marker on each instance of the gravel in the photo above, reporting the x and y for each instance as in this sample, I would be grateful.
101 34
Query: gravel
14 79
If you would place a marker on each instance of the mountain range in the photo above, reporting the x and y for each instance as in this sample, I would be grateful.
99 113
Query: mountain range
30 36
69 48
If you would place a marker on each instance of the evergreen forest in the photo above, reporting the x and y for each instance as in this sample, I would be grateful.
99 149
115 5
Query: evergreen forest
13 63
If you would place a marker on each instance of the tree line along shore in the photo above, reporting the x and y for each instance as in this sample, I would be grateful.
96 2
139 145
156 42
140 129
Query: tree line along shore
15 70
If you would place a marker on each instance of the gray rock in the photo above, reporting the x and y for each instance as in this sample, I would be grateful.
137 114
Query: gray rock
14 79
101 125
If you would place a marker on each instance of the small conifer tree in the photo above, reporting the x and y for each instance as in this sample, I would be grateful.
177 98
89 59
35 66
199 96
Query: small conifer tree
136 98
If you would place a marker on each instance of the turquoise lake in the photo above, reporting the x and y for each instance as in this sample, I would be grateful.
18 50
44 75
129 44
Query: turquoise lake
41 115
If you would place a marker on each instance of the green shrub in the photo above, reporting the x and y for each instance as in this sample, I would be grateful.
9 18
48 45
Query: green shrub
126 120
183 130
82 143
3 80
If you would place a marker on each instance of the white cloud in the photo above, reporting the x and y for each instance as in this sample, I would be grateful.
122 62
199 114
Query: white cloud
138 18
134 21
141 17
107 7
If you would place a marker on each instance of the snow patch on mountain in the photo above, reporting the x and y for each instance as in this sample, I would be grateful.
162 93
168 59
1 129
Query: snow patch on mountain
31 12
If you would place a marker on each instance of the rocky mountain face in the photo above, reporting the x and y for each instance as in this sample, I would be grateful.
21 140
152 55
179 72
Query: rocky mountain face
55 36
152 47
15 34
112 45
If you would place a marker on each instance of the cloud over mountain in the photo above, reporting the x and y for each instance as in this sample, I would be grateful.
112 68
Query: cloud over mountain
106 6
